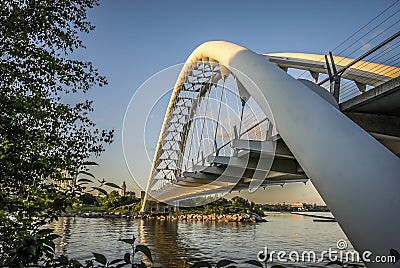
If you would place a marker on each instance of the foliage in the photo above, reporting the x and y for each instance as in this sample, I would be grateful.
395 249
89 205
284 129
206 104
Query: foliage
32 248
134 207
288 207
44 140
113 201
129 198
88 199
223 206
85 209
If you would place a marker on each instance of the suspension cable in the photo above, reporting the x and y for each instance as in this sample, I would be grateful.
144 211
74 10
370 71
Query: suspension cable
219 112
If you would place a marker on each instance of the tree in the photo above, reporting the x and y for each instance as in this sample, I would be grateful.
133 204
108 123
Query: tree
240 202
88 199
129 198
43 139
112 200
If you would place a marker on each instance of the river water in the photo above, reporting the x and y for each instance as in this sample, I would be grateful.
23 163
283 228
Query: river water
178 244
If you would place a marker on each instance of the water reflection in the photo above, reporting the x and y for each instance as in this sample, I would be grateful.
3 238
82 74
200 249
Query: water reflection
63 229
162 238
176 244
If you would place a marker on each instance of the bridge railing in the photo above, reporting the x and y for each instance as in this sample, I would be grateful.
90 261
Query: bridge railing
379 64
374 48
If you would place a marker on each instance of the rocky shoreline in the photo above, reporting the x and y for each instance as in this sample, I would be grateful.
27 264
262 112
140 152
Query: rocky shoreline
236 217
243 217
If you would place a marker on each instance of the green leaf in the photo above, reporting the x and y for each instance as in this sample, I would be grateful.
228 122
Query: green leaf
52 236
47 249
84 180
127 257
255 263
44 232
50 244
121 265
110 184
62 260
100 258
87 173
201 264
115 261
100 190
11 259
223 263
90 163
128 241
145 250
32 250
277 266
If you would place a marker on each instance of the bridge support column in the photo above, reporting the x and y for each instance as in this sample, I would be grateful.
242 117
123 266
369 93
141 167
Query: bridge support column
158 207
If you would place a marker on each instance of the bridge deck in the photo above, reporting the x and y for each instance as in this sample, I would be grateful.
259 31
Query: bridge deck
378 112
383 99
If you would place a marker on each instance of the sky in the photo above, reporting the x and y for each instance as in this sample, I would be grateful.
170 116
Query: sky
134 40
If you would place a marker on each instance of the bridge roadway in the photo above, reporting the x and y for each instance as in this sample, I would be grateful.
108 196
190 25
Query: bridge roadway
378 112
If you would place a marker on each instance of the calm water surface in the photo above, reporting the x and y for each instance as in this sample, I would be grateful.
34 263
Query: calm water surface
177 244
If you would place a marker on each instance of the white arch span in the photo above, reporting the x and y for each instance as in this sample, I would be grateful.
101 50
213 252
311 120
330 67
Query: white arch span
357 177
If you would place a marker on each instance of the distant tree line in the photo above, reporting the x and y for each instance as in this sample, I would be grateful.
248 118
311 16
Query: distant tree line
113 201
236 204
288 207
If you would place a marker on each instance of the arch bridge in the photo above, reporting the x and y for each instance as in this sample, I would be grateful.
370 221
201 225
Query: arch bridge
237 120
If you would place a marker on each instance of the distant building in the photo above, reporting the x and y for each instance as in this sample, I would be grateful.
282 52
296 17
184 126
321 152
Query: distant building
65 184
297 206
123 189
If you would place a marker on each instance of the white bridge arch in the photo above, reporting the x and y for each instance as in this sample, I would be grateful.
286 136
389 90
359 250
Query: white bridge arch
357 176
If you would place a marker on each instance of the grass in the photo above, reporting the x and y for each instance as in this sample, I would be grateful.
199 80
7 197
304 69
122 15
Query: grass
86 209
